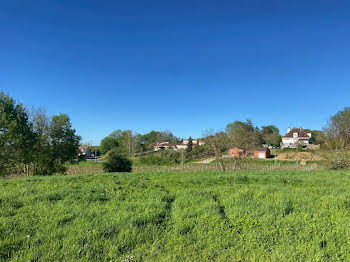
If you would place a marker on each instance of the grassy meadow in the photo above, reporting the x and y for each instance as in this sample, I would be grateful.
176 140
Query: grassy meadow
172 216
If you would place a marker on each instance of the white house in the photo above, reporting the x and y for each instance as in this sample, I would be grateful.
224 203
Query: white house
175 146
296 136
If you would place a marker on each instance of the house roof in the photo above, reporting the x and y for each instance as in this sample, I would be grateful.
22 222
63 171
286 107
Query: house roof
83 148
257 149
235 148
301 133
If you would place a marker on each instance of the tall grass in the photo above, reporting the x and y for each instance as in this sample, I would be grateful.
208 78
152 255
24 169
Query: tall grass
160 216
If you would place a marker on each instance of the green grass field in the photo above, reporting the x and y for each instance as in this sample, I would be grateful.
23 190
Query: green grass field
202 216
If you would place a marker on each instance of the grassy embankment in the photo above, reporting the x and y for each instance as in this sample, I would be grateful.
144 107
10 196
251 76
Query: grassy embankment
203 216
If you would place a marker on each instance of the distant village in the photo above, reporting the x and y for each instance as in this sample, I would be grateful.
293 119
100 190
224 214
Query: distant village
293 137
176 146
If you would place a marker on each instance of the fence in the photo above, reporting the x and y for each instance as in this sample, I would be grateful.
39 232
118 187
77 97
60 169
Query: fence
229 167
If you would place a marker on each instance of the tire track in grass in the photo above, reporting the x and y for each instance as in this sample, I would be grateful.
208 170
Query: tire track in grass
222 210
196 219
159 222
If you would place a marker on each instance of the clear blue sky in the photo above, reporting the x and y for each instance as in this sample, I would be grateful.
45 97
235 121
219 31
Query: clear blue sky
185 66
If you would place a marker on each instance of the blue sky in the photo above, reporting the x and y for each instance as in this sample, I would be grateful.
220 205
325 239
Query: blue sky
184 66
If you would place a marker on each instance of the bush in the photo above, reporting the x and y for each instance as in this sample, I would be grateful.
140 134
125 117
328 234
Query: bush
338 159
200 152
117 163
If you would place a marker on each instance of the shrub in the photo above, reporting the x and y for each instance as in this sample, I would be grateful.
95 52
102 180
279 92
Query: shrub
199 152
117 163
338 159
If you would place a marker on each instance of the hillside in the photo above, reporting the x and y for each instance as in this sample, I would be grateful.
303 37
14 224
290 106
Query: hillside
202 216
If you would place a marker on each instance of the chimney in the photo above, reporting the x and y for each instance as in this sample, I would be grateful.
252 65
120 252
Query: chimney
288 130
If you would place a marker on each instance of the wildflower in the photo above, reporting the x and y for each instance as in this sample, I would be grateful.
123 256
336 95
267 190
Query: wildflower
86 245
28 236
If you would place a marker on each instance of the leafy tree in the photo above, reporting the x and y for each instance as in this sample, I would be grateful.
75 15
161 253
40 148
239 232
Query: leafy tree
244 134
337 134
16 137
149 138
40 125
95 150
317 136
111 141
62 144
271 135
189 145
117 163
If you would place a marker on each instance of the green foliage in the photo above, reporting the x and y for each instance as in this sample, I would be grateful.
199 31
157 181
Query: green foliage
117 163
271 135
244 134
161 158
317 136
202 216
131 144
149 138
200 152
337 134
337 159
17 139
189 145
111 141
35 146
58 146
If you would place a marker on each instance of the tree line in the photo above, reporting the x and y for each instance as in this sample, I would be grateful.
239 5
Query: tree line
127 143
33 143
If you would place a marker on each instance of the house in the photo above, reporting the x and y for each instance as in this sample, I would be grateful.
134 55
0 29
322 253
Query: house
262 153
174 146
163 146
194 142
181 146
84 151
296 136
237 152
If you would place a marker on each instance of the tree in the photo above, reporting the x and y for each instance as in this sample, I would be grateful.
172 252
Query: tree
117 163
149 138
111 141
271 135
16 137
189 145
218 143
337 134
40 125
317 136
166 136
337 138
62 145
244 134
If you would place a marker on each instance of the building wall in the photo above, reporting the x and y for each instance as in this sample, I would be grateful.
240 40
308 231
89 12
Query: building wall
291 141
262 154
236 152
